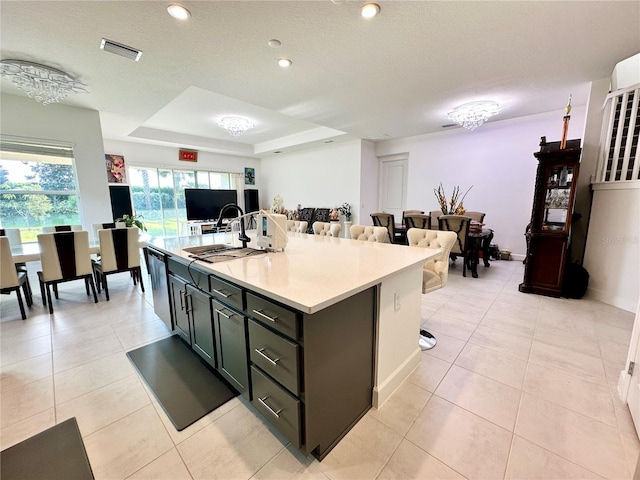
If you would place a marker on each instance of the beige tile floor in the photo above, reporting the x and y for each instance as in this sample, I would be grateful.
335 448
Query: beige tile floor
518 386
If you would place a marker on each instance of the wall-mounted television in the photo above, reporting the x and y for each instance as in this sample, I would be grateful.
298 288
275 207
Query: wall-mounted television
203 204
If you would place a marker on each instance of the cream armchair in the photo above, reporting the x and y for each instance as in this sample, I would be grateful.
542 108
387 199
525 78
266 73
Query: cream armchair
435 271
298 226
327 228
369 234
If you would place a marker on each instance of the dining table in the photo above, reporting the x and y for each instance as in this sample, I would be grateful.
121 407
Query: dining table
479 242
30 252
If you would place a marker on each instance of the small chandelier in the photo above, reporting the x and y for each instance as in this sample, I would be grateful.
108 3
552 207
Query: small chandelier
44 84
472 115
235 126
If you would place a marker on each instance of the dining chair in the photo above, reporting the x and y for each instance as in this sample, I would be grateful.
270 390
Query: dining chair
15 239
329 229
119 252
12 279
65 257
410 212
12 234
435 271
435 214
62 228
296 226
367 233
460 225
475 216
101 226
387 220
417 220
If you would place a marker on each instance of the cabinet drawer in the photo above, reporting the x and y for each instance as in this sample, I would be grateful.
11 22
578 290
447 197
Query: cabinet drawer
277 405
276 355
226 292
190 274
280 318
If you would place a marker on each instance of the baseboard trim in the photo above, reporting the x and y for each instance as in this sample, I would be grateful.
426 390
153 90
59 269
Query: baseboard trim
382 392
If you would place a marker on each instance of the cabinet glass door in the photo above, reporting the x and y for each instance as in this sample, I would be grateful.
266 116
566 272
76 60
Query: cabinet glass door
557 199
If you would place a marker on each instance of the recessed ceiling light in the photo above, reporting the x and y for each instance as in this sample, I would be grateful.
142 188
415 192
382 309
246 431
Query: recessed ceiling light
369 10
274 43
178 12
284 62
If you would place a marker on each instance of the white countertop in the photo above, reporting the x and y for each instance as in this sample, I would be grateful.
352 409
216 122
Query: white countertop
312 273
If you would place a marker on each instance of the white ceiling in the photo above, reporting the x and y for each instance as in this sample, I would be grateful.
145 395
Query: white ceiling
392 76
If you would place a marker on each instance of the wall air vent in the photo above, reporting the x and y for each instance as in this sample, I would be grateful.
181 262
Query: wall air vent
120 49
448 125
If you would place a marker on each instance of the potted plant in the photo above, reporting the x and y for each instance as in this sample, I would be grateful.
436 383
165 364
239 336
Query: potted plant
454 206
345 209
132 220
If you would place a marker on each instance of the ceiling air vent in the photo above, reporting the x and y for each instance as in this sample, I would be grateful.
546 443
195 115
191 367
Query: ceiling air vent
120 49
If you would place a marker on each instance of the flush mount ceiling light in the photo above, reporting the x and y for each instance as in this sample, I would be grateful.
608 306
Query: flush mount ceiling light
472 115
235 126
284 62
44 84
178 12
369 10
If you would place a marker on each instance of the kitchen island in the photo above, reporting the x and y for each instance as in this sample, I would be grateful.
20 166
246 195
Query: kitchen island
328 328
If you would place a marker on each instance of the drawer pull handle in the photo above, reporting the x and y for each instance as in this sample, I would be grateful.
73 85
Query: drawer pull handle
221 293
272 361
188 299
266 405
181 299
223 314
259 312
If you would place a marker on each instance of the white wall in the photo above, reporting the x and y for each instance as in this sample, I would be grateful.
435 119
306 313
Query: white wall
625 73
24 117
496 159
369 183
159 156
612 255
323 178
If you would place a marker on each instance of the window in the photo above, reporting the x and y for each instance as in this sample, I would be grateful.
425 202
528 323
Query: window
37 186
620 157
158 194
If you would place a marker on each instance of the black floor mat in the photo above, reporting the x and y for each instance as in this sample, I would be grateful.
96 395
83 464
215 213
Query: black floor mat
186 389
56 454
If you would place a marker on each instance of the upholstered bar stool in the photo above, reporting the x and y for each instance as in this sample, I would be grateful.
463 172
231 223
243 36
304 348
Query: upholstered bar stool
296 226
435 271
368 233
327 228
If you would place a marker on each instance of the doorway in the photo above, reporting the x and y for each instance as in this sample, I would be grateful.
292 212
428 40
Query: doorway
393 185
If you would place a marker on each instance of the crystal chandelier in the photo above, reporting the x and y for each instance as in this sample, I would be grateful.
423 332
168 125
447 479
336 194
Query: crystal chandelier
472 115
45 84
235 126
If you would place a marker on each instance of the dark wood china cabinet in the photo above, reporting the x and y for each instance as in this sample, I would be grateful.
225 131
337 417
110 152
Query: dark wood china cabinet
548 234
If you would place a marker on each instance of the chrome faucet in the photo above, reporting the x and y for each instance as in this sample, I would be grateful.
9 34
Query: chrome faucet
243 234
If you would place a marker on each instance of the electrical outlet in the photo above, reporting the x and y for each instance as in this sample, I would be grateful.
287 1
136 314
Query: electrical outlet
396 302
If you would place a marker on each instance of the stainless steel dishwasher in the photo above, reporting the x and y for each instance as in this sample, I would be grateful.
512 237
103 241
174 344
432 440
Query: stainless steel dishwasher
160 287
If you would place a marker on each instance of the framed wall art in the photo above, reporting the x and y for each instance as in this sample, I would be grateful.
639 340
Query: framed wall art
116 172
249 176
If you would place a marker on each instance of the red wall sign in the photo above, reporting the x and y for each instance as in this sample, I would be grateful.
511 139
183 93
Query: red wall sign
188 155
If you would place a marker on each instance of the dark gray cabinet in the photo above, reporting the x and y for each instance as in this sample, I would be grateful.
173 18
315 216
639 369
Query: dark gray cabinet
310 375
231 346
177 294
202 337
